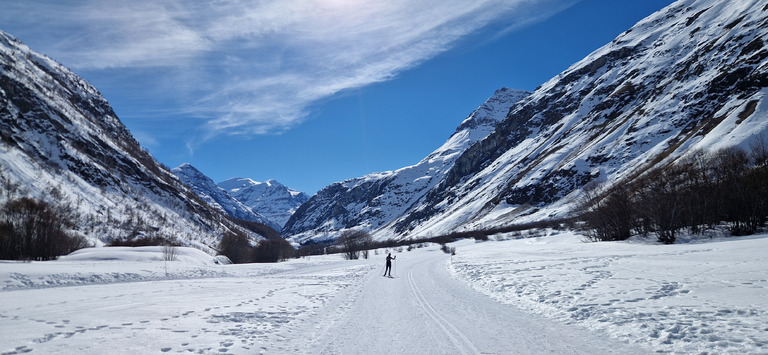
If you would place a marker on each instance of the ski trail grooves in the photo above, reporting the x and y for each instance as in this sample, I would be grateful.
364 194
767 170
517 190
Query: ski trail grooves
461 341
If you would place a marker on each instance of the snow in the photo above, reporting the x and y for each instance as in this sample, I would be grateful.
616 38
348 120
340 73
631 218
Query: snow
272 199
545 294
684 298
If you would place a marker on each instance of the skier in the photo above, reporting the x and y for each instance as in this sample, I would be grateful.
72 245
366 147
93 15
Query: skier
388 270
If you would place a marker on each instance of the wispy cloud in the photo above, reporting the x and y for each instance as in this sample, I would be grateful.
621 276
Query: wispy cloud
254 67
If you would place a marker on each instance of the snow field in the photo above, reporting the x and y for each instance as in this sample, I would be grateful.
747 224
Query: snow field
321 305
129 307
685 298
552 294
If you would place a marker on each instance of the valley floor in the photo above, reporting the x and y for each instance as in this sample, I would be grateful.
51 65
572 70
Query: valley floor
551 294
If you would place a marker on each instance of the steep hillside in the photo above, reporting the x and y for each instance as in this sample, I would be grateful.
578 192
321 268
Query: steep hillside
691 76
61 142
217 197
375 200
271 199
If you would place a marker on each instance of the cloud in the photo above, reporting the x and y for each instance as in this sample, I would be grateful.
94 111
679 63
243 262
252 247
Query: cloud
254 67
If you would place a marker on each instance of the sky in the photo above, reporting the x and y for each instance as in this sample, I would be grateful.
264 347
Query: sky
310 92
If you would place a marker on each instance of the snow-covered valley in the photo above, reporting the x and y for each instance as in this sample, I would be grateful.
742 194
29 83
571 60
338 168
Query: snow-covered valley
547 294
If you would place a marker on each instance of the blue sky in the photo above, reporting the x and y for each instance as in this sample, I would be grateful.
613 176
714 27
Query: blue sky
310 92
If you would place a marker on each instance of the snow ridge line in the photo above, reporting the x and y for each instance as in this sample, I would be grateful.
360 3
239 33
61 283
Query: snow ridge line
461 341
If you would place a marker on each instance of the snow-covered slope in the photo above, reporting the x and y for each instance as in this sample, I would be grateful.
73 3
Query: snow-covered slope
216 196
691 76
271 199
375 200
61 142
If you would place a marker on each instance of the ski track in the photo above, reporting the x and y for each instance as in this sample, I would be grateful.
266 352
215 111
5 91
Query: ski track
325 306
462 343
425 310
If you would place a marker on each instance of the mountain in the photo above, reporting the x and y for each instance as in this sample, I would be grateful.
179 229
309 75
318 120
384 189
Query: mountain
691 76
217 197
272 199
375 200
61 142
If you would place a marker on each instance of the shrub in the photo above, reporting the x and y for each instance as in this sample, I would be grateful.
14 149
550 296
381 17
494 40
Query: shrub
236 247
141 240
31 229
239 250
695 193
169 252
273 250
353 242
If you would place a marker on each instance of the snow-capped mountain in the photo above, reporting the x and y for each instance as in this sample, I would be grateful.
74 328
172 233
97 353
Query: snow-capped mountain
691 76
61 142
271 199
374 200
216 196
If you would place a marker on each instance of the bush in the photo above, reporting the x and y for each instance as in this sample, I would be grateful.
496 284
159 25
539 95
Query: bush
141 241
696 193
236 247
169 252
239 250
353 242
31 229
273 250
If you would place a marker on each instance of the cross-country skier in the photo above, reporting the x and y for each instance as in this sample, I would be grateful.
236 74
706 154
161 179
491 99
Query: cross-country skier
388 270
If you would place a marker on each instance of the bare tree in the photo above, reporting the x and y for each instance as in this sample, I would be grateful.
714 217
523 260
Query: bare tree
352 242
169 252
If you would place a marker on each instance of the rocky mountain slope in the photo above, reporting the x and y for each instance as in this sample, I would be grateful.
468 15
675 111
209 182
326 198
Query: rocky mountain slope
271 199
61 142
217 197
374 200
690 76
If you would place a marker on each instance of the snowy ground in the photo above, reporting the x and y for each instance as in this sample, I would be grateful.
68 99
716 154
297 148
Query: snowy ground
706 297
552 294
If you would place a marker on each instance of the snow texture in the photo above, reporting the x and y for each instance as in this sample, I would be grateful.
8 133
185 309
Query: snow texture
543 294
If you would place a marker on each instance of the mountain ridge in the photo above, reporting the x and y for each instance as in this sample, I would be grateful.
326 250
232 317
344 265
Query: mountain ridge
272 199
650 96
61 142
690 76
217 197
374 200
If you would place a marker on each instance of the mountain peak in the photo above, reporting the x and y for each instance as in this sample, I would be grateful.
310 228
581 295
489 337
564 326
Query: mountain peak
56 130
271 198
217 197
691 76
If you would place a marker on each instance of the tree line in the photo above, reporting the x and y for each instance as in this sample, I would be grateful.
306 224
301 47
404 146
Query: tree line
35 230
239 249
697 193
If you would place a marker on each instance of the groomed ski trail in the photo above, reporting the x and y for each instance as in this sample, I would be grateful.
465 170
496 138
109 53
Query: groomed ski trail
423 310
